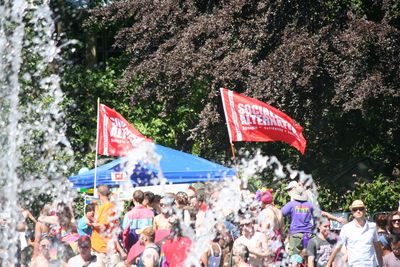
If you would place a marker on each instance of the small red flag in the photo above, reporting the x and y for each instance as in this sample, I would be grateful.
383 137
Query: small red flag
116 136
249 119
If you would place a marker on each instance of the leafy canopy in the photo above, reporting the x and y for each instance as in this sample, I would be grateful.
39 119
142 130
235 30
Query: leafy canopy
331 65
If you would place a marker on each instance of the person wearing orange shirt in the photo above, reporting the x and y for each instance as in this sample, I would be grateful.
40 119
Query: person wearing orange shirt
104 227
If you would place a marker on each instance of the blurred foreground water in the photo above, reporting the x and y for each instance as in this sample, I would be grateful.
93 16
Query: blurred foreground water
35 154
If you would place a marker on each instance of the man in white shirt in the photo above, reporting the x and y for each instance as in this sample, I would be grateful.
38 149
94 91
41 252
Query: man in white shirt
256 242
360 238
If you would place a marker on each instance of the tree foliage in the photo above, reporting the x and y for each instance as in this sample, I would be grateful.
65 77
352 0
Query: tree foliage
83 86
378 195
331 65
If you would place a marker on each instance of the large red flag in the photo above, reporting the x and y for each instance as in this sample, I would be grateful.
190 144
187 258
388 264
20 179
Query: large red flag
116 137
249 119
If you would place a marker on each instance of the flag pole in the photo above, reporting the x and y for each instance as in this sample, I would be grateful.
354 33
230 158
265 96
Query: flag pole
234 159
229 132
97 144
233 154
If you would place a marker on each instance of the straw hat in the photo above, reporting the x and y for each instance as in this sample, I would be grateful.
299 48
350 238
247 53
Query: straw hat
357 204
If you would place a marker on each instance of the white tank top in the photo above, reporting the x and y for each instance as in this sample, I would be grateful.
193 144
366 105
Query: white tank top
214 261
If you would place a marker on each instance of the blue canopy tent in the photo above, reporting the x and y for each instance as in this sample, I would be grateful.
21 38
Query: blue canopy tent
177 168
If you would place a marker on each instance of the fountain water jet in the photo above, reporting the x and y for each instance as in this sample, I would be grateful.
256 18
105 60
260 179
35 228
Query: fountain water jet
36 155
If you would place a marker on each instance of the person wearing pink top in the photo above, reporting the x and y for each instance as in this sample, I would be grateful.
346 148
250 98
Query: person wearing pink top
176 248
139 217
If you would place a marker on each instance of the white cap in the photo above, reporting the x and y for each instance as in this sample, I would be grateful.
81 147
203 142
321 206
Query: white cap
291 185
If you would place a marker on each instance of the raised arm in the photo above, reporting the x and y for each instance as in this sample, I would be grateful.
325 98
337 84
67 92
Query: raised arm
49 219
30 216
334 218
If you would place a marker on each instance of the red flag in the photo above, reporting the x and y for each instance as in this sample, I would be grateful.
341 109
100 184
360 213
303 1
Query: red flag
116 136
249 119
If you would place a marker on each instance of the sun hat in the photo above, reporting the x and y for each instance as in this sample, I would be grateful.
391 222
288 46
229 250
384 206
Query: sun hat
298 194
291 185
357 204
266 197
197 186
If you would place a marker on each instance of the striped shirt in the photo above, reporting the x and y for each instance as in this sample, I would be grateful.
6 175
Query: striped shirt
138 218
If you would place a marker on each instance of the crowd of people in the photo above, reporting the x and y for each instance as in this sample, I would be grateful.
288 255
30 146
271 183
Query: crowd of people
188 229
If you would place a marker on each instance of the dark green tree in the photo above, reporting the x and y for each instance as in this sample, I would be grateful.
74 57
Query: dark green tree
333 66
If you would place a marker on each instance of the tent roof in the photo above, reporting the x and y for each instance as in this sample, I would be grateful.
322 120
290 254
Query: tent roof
177 167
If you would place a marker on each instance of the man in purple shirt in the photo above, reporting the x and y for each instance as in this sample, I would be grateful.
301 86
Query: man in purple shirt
300 211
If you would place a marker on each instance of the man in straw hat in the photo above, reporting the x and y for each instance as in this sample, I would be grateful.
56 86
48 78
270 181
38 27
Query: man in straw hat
360 238
300 211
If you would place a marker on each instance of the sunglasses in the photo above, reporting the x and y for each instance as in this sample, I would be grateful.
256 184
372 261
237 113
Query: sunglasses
358 209
396 221
84 247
